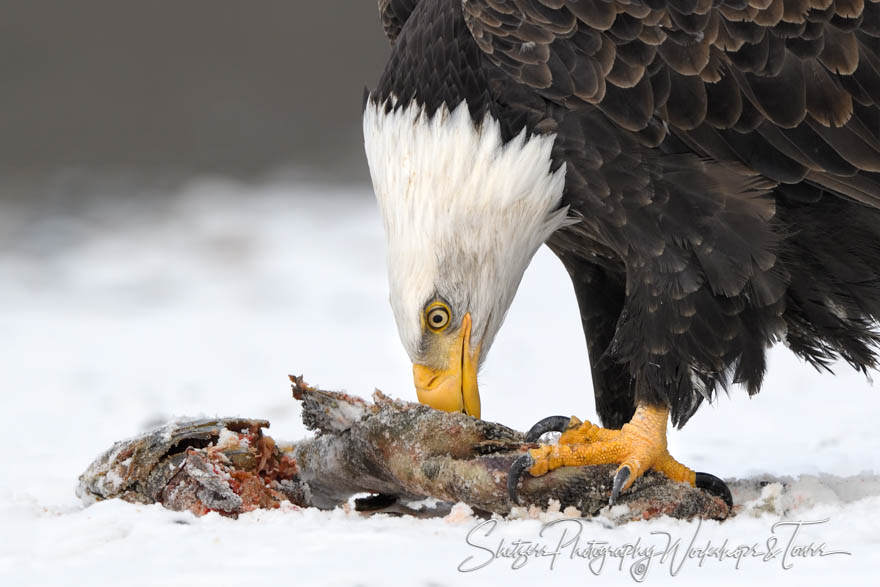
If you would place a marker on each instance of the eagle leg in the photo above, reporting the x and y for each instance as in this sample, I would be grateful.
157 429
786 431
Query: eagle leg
638 446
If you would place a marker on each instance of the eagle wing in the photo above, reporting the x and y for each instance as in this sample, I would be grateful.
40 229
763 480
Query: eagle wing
394 14
788 87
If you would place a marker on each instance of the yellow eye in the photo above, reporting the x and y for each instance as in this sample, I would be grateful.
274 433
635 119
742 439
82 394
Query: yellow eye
437 316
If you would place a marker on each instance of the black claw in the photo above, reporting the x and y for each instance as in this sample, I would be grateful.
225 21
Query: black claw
513 475
619 479
715 486
551 424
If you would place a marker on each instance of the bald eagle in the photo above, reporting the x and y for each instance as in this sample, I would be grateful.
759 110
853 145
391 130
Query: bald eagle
707 171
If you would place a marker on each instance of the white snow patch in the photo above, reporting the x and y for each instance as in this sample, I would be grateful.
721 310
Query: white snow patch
228 440
429 503
460 513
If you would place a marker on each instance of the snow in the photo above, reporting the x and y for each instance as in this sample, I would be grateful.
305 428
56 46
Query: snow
134 311
229 439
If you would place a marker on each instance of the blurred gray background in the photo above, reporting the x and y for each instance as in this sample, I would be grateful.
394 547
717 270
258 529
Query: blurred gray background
156 91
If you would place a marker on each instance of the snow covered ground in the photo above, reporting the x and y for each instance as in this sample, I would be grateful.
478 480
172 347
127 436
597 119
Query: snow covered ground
128 313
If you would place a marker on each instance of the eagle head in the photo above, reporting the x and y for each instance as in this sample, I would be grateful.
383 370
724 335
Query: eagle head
464 212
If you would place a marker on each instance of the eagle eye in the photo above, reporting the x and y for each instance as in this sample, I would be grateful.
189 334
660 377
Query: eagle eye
437 316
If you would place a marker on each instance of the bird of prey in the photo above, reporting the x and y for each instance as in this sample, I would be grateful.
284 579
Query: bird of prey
707 171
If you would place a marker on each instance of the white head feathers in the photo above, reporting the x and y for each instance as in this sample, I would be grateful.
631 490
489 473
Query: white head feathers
463 213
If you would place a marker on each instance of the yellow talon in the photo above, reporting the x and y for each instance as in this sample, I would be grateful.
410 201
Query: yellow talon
640 445
579 432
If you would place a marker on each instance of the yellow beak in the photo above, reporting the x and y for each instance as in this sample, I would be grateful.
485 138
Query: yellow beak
453 389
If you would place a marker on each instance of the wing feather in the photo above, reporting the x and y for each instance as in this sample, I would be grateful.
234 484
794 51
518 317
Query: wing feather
780 73
394 14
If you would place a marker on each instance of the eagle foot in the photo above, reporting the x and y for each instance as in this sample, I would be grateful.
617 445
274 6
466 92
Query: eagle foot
638 446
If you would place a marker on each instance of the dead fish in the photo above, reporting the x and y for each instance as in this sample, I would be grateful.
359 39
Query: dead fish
225 465
397 451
